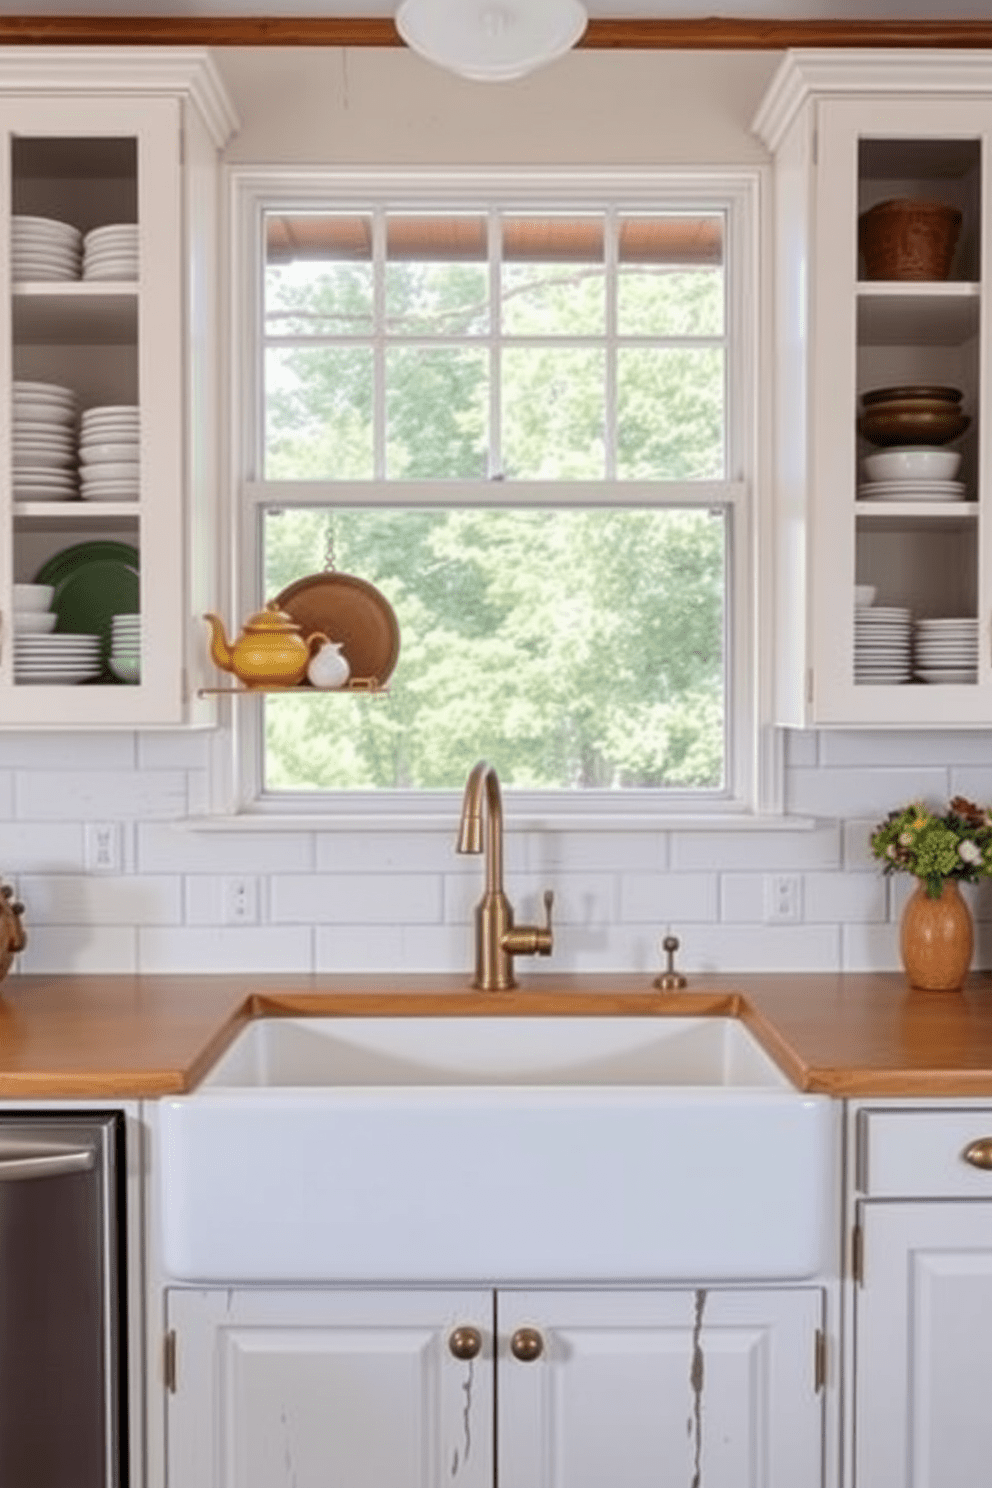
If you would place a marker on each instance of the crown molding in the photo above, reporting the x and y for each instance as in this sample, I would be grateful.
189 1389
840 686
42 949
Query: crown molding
136 71
850 74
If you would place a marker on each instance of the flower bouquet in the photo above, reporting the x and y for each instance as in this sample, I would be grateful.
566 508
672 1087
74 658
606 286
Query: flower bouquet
936 935
956 845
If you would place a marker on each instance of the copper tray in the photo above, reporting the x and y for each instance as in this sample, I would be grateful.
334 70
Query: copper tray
352 612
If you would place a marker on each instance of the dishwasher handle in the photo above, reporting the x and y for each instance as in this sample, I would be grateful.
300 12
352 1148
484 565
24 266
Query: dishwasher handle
19 1160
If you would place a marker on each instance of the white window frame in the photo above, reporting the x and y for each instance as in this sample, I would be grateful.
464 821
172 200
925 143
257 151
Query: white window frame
753 751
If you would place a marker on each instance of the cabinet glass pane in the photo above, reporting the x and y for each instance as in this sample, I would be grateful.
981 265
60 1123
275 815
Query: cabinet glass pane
917 411
75 448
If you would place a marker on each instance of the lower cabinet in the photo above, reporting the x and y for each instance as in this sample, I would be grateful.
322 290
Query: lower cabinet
921 1298
923 1371
533 1389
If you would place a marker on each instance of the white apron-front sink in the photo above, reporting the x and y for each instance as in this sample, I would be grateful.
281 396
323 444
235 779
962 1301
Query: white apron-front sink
479 1149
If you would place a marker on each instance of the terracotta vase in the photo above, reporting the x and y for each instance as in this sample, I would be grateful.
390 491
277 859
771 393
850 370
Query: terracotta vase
936 939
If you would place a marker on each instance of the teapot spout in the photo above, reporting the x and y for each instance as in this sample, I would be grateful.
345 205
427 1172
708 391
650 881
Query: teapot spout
220 647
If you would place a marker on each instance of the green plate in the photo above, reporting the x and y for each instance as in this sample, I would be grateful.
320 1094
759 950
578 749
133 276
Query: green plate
70 558
93 582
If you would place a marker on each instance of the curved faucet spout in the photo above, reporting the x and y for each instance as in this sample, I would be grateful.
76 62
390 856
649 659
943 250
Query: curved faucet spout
483 779
496 939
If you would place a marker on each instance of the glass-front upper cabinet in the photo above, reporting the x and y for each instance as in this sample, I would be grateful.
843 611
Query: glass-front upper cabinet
98 241
884 549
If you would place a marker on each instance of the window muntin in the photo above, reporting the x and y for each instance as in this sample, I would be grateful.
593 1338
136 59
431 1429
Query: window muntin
537 346
691 231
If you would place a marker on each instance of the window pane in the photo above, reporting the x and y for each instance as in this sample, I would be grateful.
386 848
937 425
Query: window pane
575 649
318 414
670 276
437 277
436 414
553 412
670 423
553 278
318 275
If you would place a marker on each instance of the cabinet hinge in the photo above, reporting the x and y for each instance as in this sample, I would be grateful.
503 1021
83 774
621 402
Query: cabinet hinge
858 1254
169 1361
819 1360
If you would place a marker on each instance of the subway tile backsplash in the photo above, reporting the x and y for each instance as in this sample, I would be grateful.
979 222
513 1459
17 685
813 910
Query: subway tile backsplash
385 900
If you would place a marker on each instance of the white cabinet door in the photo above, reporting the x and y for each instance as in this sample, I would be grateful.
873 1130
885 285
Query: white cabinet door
659 1389
849 132
318 1388
924 1346
105 523
925 558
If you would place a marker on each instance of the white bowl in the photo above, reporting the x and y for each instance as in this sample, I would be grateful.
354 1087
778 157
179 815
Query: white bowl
106 454
34 622
912 462
864 594
33 596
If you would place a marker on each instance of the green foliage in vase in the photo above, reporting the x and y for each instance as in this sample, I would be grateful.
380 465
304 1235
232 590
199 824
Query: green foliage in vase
955 844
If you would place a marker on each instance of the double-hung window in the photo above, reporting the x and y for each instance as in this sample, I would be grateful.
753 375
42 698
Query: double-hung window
521 407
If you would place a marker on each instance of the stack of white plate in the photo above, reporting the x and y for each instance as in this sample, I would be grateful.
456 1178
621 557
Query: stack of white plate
946 650
44 442
111 252
912 490
56 659
108 453
125 647
882 644
42 248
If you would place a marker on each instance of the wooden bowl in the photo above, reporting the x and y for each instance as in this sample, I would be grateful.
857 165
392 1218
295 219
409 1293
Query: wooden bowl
914 390
928 424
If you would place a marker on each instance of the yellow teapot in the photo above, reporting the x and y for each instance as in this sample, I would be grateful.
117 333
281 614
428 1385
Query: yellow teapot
269 652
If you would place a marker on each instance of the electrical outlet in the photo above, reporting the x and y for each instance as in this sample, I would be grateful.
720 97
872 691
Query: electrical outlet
783 898
103 847
241 899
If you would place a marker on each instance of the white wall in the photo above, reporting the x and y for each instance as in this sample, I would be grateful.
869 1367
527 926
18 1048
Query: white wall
352 901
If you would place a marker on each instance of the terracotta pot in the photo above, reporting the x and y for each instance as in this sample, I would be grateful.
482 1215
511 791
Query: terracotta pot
936 939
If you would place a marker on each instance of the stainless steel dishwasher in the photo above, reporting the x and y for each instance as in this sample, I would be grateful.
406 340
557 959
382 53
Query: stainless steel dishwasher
61 1301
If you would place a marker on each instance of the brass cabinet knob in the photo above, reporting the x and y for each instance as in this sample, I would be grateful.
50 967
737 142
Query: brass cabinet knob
979 1153
526 1345
465 1343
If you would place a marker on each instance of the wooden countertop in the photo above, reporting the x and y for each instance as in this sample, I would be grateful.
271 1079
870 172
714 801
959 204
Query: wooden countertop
102 1037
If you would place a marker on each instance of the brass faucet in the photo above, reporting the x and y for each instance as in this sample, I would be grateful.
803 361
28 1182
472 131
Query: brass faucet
497 940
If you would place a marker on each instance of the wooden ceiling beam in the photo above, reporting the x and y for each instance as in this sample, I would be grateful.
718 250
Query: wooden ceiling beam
711 33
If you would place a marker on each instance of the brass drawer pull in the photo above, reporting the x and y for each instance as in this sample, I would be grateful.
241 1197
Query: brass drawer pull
465 1343
979 1153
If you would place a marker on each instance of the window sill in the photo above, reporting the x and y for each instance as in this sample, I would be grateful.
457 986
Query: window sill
422 821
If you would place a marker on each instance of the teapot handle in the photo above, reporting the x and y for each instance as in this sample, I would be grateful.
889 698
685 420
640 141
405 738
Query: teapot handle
318 635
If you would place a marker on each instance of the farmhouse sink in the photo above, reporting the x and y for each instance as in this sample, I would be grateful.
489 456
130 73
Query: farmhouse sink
279 1052
477 1149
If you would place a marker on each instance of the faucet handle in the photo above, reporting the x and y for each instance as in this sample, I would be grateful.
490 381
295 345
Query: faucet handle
531 940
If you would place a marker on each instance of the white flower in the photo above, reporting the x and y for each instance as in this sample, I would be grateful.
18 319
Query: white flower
890 851
906 839
970 851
